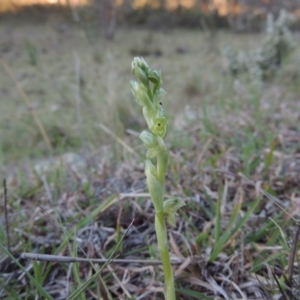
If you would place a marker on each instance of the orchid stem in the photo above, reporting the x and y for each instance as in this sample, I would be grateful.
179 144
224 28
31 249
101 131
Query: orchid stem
148 93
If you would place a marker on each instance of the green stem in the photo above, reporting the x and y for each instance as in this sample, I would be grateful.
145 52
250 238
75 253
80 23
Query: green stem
162 241
161 230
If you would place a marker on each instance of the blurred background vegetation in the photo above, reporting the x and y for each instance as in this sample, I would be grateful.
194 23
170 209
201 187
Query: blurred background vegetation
71 57
238 15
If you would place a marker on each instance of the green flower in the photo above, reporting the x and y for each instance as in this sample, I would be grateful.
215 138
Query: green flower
153 142
149 139
170 208
159 127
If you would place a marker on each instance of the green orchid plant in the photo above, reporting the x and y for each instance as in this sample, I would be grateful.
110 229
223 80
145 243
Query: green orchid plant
148 93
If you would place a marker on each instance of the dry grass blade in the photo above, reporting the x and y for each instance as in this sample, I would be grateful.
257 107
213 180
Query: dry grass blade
119 140
77 94
236 287
275 200
217 288
80 290
119 282
30 108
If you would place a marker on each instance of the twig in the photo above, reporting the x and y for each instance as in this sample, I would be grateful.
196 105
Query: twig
70 259
92 278
6 214
279 286
25 99
202 153
293 254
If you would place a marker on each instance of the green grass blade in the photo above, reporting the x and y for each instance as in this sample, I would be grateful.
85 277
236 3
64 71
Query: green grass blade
270 155
211 211
228 232
38 271
194 294
218 218
32 279
76 270
259 263
201 237
263 231
235 213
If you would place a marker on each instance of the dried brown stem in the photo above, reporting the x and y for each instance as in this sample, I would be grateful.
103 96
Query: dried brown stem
6 214
69 259
25 99
293 254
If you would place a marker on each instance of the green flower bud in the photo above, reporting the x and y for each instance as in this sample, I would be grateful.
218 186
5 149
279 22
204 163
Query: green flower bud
149 139
142 76
140 68
139 62
155 77
139 92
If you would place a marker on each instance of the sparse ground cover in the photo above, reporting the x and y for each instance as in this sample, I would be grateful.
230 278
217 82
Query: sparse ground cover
230 143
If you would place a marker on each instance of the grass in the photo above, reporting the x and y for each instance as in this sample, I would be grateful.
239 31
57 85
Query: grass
228 144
